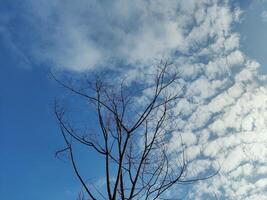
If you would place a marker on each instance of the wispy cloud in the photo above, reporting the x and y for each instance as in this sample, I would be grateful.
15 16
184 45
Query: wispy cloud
264 16
87 34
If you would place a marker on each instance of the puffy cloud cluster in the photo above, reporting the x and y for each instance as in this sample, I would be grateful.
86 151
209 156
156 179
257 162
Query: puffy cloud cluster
223 119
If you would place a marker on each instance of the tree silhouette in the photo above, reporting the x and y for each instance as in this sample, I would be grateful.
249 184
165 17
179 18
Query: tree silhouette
135 126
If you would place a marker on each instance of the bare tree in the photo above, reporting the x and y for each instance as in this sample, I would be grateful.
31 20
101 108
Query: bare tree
133 137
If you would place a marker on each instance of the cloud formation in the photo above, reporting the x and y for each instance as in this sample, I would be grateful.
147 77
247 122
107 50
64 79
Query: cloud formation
88 34
225 110
264 16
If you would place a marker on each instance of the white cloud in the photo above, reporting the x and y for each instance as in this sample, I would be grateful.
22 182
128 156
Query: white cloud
227 111
264 16
84 34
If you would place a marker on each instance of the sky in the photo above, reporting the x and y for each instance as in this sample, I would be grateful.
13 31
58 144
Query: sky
220 46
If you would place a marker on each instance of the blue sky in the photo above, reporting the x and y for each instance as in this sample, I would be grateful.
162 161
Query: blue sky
36 36
29 169
253 30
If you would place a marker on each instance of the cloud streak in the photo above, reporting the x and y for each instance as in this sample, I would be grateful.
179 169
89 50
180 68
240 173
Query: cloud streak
89 34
